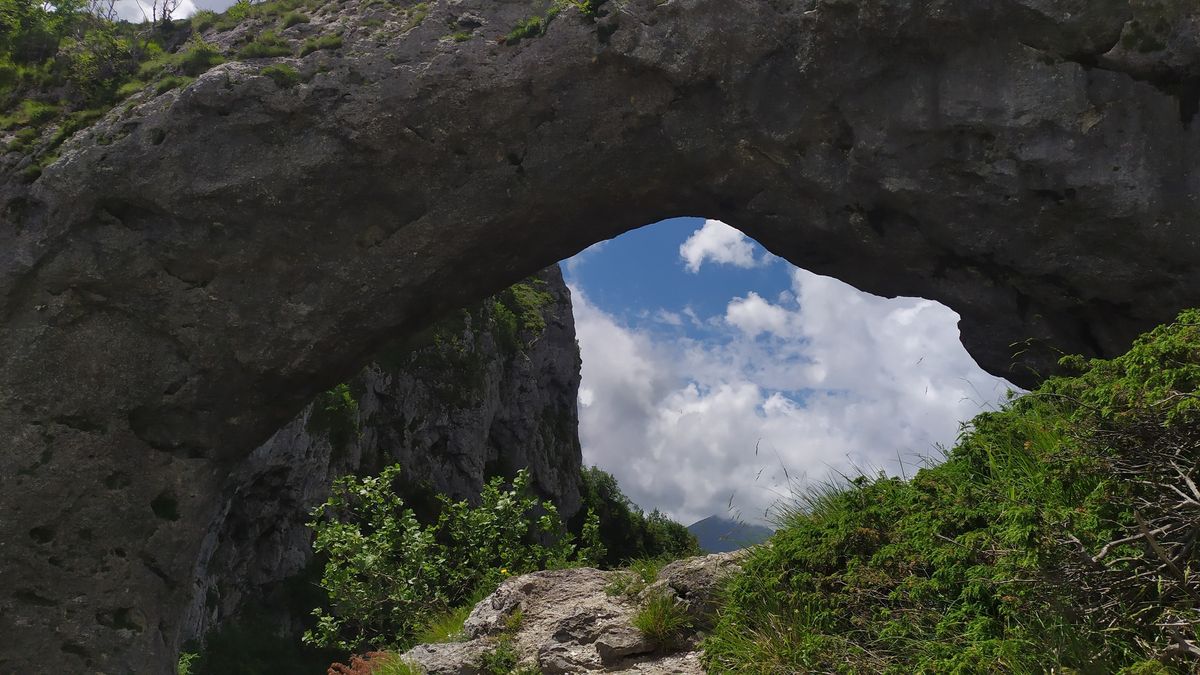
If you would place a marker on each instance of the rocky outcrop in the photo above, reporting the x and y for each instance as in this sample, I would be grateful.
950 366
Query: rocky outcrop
199 264
473 397
575 621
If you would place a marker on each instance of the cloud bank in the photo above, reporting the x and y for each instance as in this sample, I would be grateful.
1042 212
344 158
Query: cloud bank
823 378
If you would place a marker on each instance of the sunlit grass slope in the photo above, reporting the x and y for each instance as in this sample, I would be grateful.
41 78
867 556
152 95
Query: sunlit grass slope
1058 534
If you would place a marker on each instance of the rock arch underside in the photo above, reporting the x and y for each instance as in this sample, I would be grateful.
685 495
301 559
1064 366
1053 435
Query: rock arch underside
197 265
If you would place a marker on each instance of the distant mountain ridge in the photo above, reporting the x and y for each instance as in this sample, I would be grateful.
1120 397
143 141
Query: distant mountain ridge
719 535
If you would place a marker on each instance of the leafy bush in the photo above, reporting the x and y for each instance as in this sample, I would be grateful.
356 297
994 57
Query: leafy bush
1057 534
385 569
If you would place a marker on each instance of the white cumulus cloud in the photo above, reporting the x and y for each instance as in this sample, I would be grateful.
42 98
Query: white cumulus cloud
826 379
719 243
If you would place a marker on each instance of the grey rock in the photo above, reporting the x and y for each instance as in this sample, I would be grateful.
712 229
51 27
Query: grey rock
570 624
196 266
696 582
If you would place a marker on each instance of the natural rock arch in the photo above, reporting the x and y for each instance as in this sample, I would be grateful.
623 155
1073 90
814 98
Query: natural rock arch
196 266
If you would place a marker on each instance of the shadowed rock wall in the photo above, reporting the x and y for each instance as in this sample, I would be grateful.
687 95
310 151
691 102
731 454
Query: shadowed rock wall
472 397
198 265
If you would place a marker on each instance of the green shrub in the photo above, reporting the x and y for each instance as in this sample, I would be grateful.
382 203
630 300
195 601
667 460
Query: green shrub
203 19
662 620
170 82
1041 542
130 88
385 569
534 26
324 42
197 57
265 46
184 665
292 18
284 76
334 412
29 112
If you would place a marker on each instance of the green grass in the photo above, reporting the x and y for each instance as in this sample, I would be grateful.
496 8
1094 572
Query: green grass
293 18
445 627
640 574
415 16
265 46
203 19
662 620
973 565
324 42
170 82
284 76
533 27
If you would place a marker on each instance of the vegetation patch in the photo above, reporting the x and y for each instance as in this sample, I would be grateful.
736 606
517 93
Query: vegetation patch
662 620
1057 534
385 569
283 75
414 16
632 538
323 42
294 18
267 45
335 414
535 26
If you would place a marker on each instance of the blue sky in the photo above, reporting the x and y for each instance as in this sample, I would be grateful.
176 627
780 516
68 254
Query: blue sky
715 374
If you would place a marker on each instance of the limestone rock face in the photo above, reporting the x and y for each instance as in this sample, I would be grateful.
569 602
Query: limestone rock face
462 404
566 621
199 264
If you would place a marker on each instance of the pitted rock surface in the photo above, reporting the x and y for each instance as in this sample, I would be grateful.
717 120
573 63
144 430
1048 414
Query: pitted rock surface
570 624
198 265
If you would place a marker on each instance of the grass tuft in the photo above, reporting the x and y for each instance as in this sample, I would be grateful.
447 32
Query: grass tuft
662 620
284 76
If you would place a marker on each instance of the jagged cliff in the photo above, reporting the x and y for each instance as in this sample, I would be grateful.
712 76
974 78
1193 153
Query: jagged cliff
203 260
485 392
